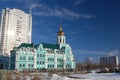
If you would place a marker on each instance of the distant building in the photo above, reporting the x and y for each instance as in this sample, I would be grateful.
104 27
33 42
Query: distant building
111 60
4 62
44 56
15 28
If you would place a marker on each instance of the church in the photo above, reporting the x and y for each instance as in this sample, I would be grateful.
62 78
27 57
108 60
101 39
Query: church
43 56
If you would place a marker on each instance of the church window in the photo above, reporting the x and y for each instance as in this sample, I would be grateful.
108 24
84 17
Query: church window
43 55
24 58
40 62
31 65
68 59
43 62
32 58
20 57
40 49
60 40
28 65
48 59
20 65
37 55
29 58
48 65
37 62
23 65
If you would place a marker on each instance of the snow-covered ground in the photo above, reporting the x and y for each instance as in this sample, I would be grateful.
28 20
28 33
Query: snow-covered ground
56 77
100 76
90 76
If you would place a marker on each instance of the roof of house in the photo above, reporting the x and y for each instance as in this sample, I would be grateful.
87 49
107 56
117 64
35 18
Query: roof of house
52 46
25 45
45 45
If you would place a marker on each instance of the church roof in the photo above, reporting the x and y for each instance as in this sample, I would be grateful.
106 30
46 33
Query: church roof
45 45
52 46
25 45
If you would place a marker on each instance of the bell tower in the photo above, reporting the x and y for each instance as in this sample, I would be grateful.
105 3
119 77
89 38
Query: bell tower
60 36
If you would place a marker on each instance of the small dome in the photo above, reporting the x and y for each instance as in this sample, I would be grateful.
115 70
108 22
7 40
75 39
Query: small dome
60 32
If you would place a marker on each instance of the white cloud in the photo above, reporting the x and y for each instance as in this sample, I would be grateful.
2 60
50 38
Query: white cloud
71 32
35 5
78 2
57 12
92 52
62 13
87 16
113 53
109 53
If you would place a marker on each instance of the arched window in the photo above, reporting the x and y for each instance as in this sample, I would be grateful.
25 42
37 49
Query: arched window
60 40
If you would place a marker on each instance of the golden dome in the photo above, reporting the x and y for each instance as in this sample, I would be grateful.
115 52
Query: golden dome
60 32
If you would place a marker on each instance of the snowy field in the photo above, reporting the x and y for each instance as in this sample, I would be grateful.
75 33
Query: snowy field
46 76
91 76
100 76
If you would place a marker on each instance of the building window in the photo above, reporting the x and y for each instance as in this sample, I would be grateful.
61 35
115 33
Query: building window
60 40
42 62
40 49
32 58
43 55
20 57
24 58
40 55
50 59
68 59
37 55
68 66
23 65
50 51
31 65
29 58
20 65
28 65
37 62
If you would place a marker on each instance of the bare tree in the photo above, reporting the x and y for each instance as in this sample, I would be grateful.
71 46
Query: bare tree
88 64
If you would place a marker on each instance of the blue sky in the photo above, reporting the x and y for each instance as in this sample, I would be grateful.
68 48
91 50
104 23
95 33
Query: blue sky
91 27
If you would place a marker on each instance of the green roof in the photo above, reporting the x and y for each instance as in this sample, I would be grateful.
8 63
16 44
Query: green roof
26 45
45 45
63 48
51 46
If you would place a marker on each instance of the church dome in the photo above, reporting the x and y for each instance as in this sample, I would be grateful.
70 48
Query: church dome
60 32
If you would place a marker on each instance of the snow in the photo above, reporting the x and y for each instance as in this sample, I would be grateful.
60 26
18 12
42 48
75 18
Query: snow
90 76
100 76
57 77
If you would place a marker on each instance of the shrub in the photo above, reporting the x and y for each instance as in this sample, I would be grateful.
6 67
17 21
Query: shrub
37 78
8 76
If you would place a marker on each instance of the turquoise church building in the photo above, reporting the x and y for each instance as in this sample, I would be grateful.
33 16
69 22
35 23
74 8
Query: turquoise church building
43 56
